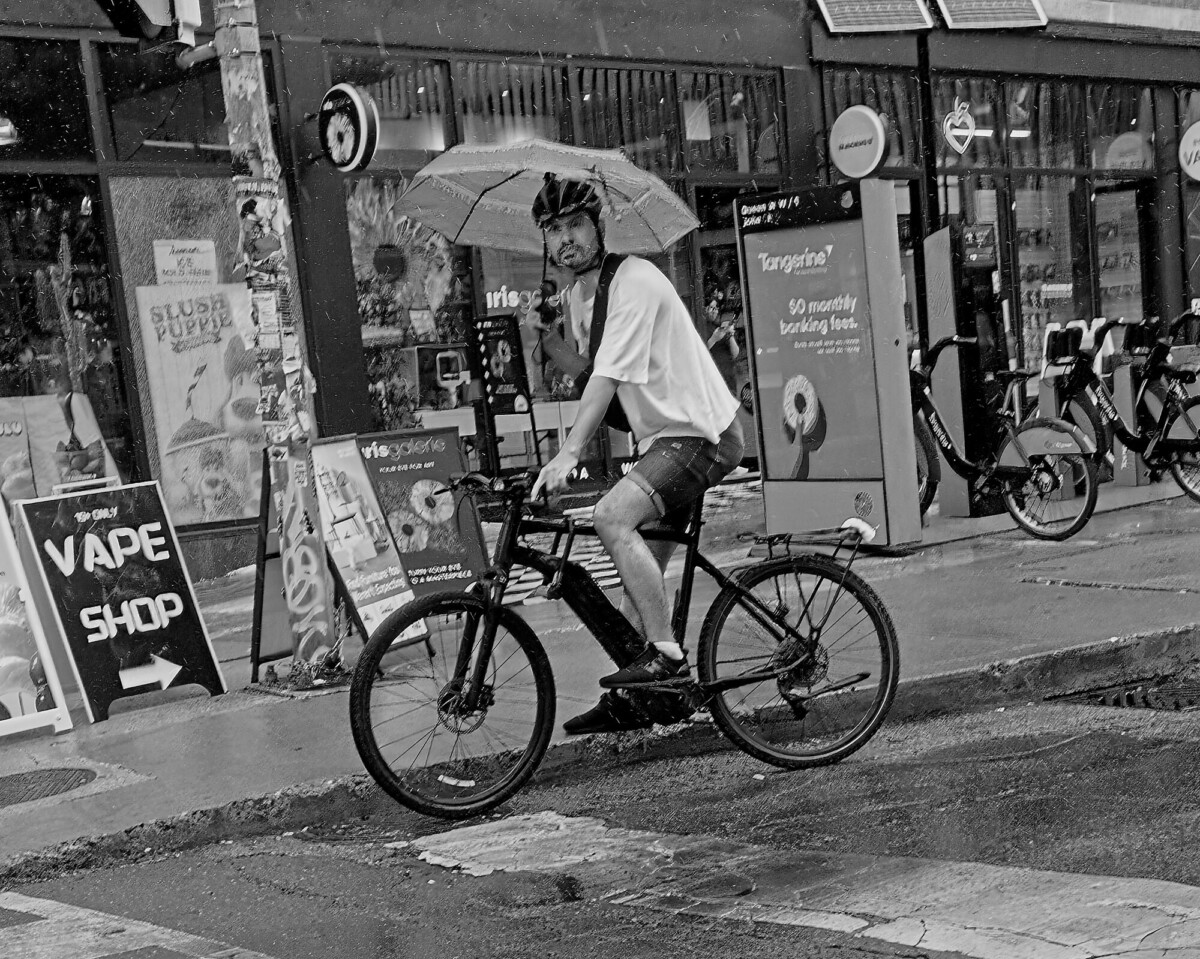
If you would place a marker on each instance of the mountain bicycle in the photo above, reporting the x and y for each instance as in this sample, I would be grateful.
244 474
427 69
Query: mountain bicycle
1166 432
797 660
1044 469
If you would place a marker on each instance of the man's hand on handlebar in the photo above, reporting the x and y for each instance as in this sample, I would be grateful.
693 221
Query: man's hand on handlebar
553 477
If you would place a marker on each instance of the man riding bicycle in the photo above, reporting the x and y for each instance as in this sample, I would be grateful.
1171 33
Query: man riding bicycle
652 360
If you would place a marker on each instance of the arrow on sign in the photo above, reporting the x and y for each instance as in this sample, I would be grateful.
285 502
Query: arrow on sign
160 671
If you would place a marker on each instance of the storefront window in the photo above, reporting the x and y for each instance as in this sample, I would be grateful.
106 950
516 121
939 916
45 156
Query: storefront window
1121 126
892 95
411 97
1189 114
1047 215
58 335
1045 123
502 101
966 116
160 111
636 110
1119 249
731 122
414 303
33 124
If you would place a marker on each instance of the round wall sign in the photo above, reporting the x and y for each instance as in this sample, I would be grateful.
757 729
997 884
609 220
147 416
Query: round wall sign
348 125
1189 151
858 142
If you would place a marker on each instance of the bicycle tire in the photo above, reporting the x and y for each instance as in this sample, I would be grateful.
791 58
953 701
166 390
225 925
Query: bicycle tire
1031 502
859 636
929 470
1185 466
458 777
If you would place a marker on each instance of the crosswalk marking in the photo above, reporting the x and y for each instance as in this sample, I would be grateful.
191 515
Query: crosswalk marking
45 929
972 909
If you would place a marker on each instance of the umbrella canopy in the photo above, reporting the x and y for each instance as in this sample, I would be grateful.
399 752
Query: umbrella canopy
482 195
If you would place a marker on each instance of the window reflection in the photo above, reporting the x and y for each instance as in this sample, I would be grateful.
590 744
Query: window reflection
32 125
160 111
731 121
966 117
58 333
636 110
502 102
1121 126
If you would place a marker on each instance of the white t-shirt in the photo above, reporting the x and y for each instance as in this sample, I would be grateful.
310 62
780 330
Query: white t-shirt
667 382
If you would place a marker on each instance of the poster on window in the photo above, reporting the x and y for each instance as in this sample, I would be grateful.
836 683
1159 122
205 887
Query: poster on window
47 442
202 379
437 532
30 693
815 364
356 534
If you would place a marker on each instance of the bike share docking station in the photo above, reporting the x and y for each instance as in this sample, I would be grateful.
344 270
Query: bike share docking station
824 297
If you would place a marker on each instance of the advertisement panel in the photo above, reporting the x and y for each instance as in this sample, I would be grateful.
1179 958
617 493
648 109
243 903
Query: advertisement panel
815 365
110 570
30 693
356 534
437 532
202 376
46 441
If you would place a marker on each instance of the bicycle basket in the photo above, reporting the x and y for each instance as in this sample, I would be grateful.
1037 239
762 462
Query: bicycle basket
1139 340
1062 345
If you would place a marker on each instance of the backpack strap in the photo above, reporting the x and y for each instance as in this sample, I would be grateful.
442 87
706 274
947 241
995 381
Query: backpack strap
615 416
608 269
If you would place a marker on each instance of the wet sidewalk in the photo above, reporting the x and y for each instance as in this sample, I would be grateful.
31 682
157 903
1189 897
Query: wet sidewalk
976 593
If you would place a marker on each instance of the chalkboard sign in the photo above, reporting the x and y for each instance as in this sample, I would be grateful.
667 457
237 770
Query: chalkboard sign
110 569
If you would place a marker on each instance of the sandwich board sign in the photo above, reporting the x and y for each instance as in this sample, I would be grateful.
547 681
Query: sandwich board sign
108 573
30 693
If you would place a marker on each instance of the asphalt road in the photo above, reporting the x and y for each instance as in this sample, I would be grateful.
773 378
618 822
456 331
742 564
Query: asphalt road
1050 791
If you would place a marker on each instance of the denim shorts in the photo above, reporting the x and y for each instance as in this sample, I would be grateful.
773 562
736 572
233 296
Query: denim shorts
676 470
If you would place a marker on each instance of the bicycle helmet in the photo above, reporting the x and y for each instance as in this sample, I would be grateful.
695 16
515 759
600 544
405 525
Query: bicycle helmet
564 197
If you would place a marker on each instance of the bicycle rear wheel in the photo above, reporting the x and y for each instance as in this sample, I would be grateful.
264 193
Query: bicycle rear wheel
810 669
1056 496
1185 466
412 729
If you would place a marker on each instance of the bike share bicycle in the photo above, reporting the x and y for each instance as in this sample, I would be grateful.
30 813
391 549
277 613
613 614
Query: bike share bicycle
1044 470
797 660
1166 440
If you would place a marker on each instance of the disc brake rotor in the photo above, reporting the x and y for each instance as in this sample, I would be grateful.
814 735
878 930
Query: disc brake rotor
453 713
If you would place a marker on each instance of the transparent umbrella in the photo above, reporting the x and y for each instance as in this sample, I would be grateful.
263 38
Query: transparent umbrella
482 195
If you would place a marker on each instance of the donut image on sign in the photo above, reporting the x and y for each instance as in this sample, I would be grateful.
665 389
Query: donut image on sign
803 420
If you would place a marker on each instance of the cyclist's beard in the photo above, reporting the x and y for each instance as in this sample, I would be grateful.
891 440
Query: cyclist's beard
581 258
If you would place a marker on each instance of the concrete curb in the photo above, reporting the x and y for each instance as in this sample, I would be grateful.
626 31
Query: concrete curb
1030 679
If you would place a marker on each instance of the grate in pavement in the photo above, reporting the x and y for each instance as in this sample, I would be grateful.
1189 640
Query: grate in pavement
41 784
1172 696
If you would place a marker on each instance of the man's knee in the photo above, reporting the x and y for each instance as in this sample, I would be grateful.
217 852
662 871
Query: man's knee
622 510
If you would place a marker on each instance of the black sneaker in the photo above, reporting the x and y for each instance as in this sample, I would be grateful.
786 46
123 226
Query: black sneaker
651 668
612 714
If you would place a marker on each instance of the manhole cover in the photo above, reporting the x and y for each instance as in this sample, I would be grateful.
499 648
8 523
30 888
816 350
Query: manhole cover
41 783
1175 696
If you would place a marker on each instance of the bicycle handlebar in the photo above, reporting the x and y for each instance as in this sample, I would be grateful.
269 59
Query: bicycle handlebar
931 357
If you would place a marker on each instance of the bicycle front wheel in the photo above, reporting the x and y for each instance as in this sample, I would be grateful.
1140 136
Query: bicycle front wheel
801 671
1185 465
1055 495
418 732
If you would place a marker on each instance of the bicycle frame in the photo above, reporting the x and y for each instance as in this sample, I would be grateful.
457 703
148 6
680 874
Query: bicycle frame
1082 379
607 624
922 399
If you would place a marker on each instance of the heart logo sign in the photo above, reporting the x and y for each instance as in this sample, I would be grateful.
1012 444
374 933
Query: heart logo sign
959 127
